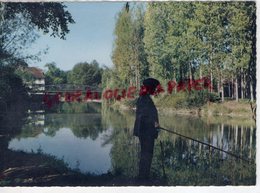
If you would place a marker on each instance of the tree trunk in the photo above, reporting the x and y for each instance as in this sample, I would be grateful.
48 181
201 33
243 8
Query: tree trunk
222 92
174 79
251 141
229 90
200 73
211 80
236 88
218 87
190 78
233 90
251 91
242 84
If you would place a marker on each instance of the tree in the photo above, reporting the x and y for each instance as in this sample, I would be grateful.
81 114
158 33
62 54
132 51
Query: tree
86 74
154 38
19 22
128 55
139 57
122 50
54 75
11 85
183 41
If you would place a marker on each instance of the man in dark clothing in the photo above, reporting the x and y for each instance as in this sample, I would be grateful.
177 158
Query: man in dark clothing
146 124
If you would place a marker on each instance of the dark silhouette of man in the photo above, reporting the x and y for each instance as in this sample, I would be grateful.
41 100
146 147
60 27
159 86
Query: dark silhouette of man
146 124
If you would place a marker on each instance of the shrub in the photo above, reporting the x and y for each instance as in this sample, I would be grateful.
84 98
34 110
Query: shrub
187 99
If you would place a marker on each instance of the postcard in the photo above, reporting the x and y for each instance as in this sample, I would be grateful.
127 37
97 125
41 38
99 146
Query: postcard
128 94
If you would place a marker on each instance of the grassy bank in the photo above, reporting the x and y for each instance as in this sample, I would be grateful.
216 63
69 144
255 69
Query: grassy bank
37 169
196 104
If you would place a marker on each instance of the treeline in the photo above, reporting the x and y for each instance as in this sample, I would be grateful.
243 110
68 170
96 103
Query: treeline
187 41
82 73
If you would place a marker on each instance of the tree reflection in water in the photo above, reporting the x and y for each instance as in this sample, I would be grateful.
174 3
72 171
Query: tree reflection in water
187 162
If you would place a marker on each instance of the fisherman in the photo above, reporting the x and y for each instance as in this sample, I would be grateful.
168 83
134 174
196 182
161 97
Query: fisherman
146 124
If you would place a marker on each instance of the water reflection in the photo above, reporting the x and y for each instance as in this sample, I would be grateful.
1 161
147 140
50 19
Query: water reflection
187 162
102 142
78 139
73 150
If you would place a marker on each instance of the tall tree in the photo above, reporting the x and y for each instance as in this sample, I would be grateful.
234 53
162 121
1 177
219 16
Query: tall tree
139 57
19 22
154 39
122 50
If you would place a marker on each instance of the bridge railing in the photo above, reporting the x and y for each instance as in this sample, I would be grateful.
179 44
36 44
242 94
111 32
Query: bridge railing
36 88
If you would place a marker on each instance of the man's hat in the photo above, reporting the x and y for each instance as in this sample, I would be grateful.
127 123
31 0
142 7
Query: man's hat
151 82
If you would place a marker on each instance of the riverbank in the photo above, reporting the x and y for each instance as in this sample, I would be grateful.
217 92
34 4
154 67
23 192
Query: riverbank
241 109
227 108
37 169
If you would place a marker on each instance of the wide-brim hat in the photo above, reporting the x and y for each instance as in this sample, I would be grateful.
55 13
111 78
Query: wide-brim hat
151 82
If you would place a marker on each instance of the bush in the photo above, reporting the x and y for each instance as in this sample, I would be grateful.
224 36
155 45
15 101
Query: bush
187 99
212 97
11 85
197 98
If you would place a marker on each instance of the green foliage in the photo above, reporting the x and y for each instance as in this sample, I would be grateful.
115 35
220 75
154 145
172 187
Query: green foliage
11 85
187 99
19 24
212 97
128 53
24 75
86 74
121 54
183 41
50 17
54 75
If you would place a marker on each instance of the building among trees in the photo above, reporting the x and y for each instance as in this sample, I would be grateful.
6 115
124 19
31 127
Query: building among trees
33 78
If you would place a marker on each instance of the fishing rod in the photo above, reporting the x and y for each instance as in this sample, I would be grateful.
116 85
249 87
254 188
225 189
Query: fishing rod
207 144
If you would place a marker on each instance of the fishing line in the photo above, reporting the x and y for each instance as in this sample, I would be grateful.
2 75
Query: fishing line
214 147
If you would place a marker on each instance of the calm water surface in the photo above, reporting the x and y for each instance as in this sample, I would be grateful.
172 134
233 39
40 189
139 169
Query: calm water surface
102 142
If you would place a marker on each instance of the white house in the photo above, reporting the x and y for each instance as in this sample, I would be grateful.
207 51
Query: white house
38 82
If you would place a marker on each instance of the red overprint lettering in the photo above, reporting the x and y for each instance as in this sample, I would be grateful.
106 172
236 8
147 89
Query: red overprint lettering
108 94
131 92
88 95
76 96
143 90
207 83
51 100
68 97
170 86
198 84
181 86
96 96
159 89
117 96
47 100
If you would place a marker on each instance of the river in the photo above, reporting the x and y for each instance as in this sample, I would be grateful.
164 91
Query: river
100 140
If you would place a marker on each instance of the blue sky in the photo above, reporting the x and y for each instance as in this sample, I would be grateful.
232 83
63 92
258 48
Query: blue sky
91 37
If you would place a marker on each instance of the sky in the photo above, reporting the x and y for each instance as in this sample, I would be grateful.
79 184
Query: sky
91 37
